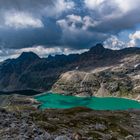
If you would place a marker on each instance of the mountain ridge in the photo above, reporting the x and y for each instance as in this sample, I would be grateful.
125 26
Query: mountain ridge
29 71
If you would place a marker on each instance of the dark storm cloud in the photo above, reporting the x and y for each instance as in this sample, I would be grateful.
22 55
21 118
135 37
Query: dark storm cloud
27 23
114 16
116 25
27 37
76 24
99 20
25 4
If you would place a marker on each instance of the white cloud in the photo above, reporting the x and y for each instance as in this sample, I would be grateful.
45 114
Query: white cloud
18 20
74 18
127 5
89 22
93 4
79 31
71 22
59 7
134 39
115 43
39 50
82 23
76 22
107 9
63 5
123 5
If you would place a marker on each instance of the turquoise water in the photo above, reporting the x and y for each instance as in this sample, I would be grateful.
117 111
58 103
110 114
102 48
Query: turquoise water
56 101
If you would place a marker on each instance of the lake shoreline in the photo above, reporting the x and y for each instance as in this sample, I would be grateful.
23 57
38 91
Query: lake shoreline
49 92
58 101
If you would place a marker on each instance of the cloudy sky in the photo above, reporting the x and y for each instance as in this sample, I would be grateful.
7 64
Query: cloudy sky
67 26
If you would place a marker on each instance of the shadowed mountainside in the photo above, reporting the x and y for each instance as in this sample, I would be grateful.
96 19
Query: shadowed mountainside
101 65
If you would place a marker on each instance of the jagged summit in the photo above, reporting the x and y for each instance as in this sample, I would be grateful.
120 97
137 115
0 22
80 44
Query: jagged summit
29 56
98 48
28 71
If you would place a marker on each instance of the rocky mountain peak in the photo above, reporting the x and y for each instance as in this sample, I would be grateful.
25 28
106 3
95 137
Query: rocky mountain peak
97 49
28 56
120 68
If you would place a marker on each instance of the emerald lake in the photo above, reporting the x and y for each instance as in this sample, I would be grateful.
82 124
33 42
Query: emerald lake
57 101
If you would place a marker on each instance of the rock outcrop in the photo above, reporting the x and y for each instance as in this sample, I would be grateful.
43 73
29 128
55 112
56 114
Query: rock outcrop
70 124
21 119
121 80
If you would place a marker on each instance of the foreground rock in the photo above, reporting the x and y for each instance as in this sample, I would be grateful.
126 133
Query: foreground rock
17 102
20 121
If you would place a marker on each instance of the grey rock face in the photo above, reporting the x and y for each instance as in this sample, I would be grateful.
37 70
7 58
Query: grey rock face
62 138
29 71
121 80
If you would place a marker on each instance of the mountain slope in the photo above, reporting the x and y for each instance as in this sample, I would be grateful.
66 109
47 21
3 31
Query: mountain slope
114 75
94 72
29 71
